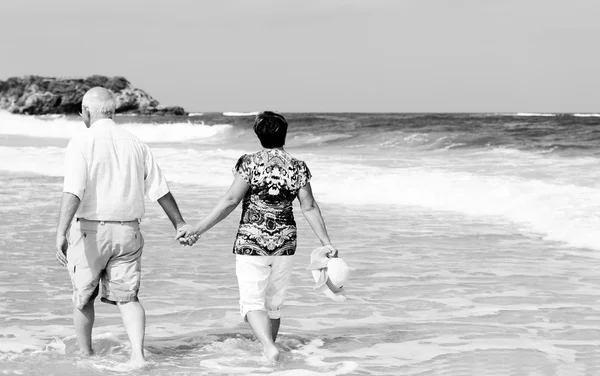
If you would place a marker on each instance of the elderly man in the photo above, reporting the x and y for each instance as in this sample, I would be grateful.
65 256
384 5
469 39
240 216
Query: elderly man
108 173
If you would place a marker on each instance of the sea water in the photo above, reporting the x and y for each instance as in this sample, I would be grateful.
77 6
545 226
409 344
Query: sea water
472 240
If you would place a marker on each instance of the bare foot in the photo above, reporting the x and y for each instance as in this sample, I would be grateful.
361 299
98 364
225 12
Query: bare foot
137 362
86 353
272 354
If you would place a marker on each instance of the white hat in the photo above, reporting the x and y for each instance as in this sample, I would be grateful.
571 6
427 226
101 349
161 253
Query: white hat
330 274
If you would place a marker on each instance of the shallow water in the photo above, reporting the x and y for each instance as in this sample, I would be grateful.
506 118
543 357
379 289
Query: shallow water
431 293
467 262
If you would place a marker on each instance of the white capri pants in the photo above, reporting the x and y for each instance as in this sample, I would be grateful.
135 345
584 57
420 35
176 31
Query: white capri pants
262 282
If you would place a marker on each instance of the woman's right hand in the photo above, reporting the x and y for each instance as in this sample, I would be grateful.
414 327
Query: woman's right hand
333 252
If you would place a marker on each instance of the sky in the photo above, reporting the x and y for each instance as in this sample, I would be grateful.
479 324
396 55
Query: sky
319 55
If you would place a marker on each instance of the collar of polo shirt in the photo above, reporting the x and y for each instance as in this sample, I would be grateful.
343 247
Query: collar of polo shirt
102 121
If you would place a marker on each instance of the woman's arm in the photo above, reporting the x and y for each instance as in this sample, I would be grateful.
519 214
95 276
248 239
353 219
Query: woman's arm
312 213
224 207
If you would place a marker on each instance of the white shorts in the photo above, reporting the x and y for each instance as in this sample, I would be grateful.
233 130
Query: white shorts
262 281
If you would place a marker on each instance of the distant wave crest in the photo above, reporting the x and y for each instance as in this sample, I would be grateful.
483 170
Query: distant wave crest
587 115
535 114
240 113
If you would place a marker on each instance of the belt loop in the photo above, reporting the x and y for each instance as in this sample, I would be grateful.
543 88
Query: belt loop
101 223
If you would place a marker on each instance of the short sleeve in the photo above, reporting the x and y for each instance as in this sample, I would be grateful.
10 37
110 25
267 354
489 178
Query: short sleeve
155 184
244 168
76 170
304 174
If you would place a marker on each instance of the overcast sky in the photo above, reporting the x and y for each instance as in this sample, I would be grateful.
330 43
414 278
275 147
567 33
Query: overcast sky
320 55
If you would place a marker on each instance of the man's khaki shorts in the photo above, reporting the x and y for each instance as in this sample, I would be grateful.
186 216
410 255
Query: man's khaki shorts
107 252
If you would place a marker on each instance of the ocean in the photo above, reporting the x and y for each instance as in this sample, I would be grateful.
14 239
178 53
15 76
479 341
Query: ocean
473 242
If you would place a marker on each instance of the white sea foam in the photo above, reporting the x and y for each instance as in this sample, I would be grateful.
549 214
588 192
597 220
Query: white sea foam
178 132
50 116
48 161
48 127
312 139
65 128
535 114
561 212
587 115
210 168
558 210
240 113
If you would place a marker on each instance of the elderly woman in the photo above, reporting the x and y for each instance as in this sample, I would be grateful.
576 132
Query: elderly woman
268 181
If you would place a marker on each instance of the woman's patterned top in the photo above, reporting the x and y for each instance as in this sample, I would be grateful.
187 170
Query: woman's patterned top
267 226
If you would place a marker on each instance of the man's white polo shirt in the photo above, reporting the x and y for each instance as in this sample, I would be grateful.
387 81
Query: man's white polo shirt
111 171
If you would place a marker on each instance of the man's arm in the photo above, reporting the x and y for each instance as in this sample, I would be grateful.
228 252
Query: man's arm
73 190
157 189
68 208
167 202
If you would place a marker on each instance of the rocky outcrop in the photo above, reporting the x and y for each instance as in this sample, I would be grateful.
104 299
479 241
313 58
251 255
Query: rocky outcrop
34 95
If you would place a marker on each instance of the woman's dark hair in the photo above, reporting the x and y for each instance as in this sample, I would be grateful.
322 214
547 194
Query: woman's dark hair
271 129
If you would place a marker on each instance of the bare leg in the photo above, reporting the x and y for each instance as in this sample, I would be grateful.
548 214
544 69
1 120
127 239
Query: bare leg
84 322
261 326
134 320
275 328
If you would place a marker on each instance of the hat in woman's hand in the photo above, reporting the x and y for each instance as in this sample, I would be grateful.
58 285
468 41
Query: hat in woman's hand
330 274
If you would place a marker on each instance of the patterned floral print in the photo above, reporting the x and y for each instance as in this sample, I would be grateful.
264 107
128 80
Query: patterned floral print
267 226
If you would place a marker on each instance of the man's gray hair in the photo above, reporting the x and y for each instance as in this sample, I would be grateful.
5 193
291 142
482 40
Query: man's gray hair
97 107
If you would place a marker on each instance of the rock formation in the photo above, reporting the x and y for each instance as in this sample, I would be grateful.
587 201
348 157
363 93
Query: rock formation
34 95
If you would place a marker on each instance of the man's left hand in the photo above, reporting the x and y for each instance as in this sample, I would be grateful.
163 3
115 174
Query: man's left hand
61 249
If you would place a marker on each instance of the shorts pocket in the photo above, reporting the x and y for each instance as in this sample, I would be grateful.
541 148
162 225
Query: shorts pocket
76 234
90 243
133 241
71 267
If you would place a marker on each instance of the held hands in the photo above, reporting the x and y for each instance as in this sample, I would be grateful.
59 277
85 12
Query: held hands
186 235
61 249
